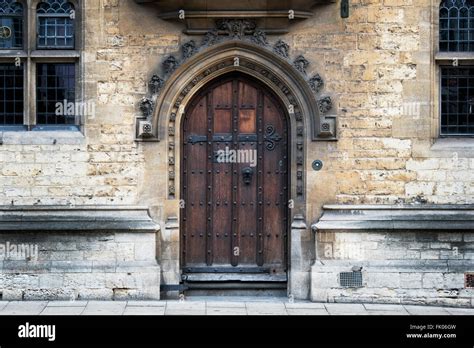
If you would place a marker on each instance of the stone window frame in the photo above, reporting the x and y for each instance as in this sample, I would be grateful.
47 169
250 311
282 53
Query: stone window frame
30 56
444 59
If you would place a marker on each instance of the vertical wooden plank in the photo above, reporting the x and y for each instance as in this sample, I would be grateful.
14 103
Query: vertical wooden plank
235 178
276 188
209 180
194 163
247 193
222 176
260 181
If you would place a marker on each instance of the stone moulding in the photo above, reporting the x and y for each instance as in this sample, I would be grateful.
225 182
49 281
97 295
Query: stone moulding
287 70
198 16
395 217
240 30
130 219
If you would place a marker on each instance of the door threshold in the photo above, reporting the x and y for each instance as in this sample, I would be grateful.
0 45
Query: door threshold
235 285
248 289
235 277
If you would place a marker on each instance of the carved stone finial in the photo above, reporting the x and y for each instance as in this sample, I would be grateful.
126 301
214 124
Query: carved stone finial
156 84
146 107
211 38
189 49
325 104
260 38
170 65
300 64
282 48
237 28
316 83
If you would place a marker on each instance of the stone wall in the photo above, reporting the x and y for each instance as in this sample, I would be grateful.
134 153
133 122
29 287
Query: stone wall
377 65
397 267
79 266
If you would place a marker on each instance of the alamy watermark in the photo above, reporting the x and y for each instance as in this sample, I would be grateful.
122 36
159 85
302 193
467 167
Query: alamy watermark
85 109
228 155
18 252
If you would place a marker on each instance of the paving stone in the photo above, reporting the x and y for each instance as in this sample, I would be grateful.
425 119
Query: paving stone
306 311
224 304
185 308
146 304
151 310
23 308
306 305
183 311
460 311
51 310
104 308
378 312
426 310
185 305
67 303
345 309
383 307
3 305
266 309
226 311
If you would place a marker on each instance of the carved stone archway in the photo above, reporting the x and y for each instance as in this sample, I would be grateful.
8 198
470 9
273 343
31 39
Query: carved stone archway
284 79
163 114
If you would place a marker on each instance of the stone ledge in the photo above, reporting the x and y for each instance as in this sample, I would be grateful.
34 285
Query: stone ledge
76 219
396 217
58 137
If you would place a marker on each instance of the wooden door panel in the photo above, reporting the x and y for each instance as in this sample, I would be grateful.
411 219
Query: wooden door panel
195 202
247 210
230 221
221 210
275 186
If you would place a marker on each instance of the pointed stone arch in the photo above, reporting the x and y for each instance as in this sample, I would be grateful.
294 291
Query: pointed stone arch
271 69
166 108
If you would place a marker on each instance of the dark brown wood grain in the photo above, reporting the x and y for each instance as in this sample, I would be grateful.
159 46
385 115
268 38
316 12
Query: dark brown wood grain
226 221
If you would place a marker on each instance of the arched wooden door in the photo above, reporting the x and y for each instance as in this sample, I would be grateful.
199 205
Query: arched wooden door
235 183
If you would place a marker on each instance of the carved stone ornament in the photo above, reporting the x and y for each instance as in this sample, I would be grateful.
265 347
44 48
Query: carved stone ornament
146 107
211 38
156 84
316 83
170 65
282 48
325 104
226 30
300 64
189 49
237 28
259 38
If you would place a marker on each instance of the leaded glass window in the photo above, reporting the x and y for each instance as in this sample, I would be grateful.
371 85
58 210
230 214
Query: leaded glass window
55 24
55 86
11 24
11 95
457 100
456 26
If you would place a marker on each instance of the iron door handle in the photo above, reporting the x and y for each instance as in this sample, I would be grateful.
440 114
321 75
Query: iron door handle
247 174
